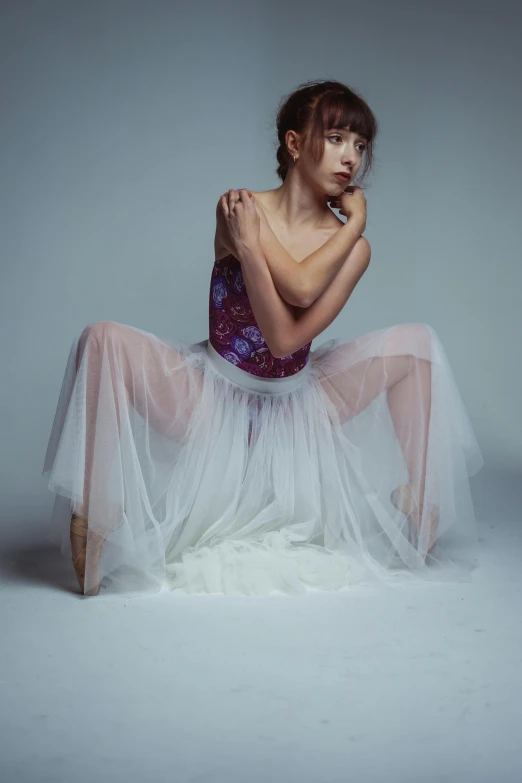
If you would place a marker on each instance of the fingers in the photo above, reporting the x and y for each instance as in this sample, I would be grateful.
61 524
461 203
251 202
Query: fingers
229 200
236 195
246 197
232 198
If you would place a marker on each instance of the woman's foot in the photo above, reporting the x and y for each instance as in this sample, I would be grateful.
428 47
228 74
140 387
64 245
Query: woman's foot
79 539
404 499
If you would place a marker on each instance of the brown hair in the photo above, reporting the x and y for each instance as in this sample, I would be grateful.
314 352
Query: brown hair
313 108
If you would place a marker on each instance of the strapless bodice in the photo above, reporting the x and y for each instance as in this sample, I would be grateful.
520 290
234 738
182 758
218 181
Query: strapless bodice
233 329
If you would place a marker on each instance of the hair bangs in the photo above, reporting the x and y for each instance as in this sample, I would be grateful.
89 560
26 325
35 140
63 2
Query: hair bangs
320 106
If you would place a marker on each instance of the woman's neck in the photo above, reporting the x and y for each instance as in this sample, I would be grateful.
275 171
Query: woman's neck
297 208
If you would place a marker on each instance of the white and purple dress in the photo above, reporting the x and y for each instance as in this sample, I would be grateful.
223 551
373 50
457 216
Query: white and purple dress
216 467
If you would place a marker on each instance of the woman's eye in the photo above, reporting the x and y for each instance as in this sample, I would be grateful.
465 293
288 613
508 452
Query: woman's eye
360 144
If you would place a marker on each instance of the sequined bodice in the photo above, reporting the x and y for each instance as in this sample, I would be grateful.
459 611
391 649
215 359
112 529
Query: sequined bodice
233 330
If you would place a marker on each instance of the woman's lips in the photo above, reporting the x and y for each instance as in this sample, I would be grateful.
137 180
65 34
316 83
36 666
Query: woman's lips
342 177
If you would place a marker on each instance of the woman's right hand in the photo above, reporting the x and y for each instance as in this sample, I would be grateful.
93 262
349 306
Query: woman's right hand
241 218
352 204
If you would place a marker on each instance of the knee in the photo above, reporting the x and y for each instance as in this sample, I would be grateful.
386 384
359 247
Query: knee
100 331
417 338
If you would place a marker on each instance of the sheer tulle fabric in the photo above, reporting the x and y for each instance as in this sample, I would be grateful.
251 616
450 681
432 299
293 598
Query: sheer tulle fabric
207 479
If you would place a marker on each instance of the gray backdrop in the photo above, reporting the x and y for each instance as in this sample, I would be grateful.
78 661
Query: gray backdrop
123 122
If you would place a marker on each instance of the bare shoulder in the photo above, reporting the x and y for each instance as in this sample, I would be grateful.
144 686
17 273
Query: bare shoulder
263 198
262 194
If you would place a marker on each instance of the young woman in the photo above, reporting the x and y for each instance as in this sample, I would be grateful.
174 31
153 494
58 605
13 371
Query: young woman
248 463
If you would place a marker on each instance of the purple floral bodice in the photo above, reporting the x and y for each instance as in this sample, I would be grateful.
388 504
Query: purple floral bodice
233 329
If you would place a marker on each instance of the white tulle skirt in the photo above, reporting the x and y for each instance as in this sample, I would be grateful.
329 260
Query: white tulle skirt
208 479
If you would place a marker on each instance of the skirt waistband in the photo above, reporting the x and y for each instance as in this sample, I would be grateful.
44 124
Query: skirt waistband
253 382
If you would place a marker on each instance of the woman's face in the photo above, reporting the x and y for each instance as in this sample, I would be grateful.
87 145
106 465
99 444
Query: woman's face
343 152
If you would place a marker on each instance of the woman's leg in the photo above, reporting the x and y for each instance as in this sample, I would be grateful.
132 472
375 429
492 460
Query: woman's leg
138 378
409 401
405 378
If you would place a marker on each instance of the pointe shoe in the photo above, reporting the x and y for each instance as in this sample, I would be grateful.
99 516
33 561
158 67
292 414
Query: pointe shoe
404 499
79 527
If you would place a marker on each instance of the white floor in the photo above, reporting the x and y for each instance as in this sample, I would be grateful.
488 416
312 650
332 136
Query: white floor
362 687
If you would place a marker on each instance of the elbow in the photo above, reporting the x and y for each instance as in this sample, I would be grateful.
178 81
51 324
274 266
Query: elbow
277 352
306 299
279 349
296 298
303 296
286 347
307 296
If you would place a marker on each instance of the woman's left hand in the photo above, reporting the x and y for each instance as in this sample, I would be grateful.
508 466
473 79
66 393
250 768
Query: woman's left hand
242 219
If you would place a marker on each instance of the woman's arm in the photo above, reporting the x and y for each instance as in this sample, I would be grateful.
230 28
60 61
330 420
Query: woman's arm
276 318
286 328
301 283
311 321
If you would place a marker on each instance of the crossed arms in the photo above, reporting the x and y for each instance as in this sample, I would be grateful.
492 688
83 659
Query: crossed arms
293 302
